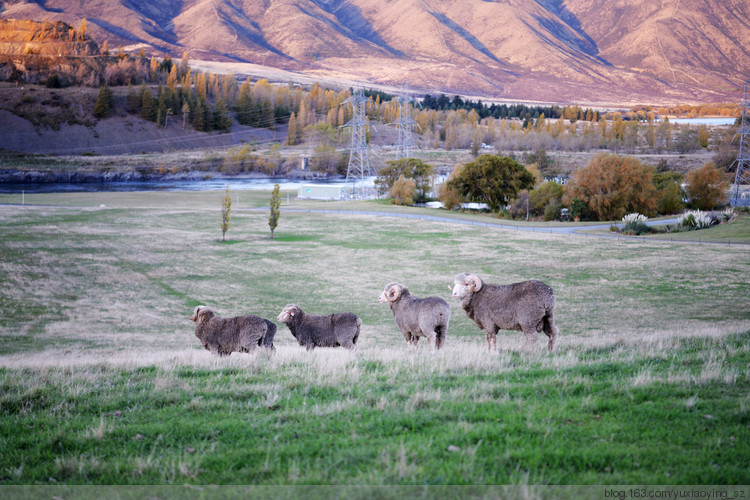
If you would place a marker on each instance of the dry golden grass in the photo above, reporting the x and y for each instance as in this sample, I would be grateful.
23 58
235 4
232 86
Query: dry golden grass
86 285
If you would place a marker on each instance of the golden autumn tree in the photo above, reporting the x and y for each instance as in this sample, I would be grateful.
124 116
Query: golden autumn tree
612 186
706 187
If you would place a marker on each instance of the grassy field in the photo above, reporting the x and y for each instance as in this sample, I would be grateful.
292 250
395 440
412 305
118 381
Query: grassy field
103 382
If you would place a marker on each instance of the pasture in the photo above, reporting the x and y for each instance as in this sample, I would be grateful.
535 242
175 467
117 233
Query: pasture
103 381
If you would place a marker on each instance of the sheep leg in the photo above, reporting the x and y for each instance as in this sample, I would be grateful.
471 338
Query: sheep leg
492 340
531 336
551 330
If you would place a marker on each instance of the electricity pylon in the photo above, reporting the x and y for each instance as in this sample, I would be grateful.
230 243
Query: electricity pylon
742 177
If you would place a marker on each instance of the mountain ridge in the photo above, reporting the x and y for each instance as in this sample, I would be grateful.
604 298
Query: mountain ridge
545 50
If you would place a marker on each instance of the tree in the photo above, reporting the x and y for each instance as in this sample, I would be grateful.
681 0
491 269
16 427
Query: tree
409 168
544 195
133 102
148 105
404 191
668 192
103 102
275 208
612 186
492 180
221 119
292 131
706 187
226 207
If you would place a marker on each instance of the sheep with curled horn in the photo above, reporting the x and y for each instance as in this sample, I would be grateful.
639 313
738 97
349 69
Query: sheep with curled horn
311 330
223 336
528 306
415 317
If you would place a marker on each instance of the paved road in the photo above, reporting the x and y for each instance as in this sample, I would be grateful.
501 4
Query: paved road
436 218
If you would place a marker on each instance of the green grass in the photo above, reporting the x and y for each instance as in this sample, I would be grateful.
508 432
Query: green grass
103 382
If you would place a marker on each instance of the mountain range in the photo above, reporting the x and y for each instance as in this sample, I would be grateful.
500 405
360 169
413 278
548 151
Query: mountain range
582 51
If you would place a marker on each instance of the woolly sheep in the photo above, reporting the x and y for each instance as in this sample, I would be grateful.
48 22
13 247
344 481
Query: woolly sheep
311 331
417 317
223 336
528 306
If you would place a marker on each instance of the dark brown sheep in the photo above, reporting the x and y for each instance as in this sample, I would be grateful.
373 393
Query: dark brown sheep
223 336
528 306
311 331
417 317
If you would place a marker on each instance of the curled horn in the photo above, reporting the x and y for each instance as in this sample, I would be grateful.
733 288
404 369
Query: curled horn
392 291
475 282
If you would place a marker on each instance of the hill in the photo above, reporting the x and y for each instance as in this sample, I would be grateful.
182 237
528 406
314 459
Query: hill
543 50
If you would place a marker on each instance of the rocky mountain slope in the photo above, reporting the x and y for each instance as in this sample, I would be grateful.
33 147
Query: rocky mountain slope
583 51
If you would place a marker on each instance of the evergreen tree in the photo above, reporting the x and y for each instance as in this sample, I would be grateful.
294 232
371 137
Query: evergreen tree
275 208
161 108
133 102
103 105
198 121
148 105
221 119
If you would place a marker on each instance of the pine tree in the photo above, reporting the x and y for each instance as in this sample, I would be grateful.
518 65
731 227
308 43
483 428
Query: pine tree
226 207
198 122
275 208
103 102
148 105
133 103
221 119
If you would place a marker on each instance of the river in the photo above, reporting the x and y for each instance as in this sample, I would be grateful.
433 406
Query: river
213 184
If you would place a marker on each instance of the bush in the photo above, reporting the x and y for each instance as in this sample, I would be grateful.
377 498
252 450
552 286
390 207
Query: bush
635 223
695 219
552 210
706 187
611 186
404 191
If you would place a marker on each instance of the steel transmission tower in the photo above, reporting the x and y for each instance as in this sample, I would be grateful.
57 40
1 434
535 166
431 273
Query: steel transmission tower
405 124
359 160
742 177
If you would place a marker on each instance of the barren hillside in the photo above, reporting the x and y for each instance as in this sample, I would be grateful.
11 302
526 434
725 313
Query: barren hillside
542 50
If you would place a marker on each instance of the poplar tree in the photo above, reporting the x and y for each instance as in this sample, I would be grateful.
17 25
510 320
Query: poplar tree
275 208
226 207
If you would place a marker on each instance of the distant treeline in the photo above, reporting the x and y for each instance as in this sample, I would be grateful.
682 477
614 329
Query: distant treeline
520 111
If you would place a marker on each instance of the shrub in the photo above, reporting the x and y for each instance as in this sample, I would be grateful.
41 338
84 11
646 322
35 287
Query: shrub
611 186
695 219
706 187
404 191
634 223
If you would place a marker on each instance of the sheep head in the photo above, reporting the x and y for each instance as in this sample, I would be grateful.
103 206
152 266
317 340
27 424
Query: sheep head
289 312
465 284
202 313
392 292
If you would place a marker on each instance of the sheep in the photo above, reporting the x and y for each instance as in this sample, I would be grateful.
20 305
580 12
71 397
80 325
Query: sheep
311 331
223 336
417 317
528 306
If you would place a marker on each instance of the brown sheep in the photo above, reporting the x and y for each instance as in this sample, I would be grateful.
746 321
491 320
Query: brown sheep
311 330
223 336
417 317
528 306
